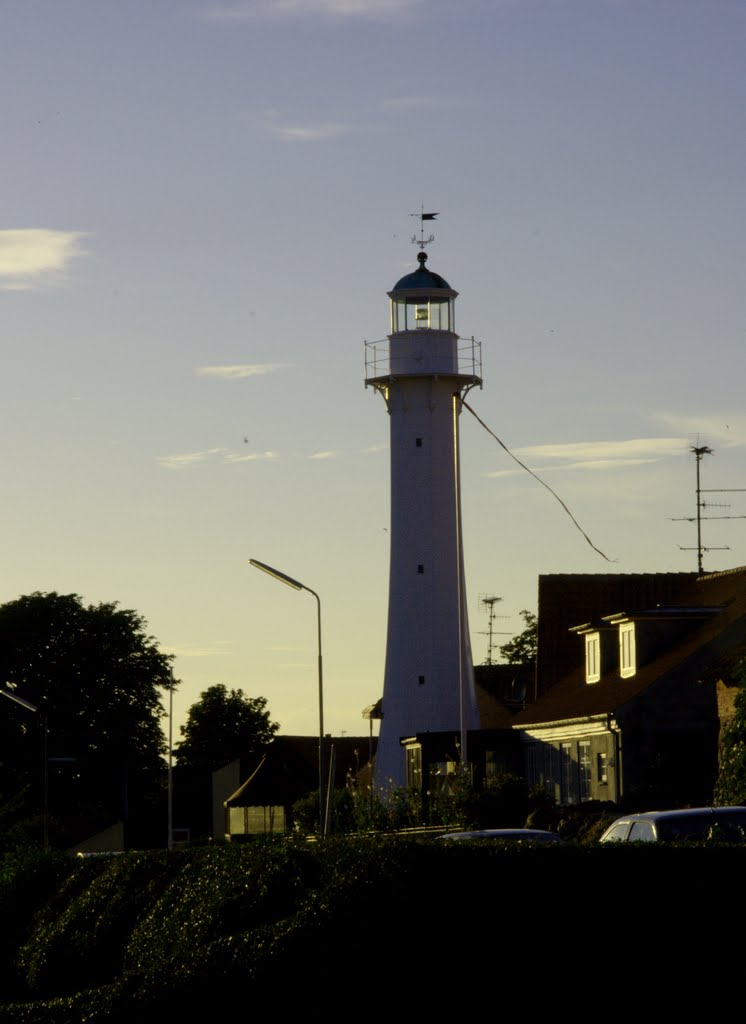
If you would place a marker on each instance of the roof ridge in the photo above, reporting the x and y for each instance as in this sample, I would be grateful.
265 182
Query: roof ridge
722 572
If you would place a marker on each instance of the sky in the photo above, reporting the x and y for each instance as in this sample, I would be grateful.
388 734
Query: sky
204 205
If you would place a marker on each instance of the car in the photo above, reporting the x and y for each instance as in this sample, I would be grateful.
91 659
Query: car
692 824
510 835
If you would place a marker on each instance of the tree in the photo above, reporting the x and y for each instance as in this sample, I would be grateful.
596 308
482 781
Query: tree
96 678
730 788
521 650
223 725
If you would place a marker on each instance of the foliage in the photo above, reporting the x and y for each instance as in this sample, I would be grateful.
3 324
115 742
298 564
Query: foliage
221 726
167 933
95 677
730 788
521 650
504 804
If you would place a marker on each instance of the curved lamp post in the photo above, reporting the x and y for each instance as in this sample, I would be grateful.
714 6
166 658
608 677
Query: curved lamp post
297 585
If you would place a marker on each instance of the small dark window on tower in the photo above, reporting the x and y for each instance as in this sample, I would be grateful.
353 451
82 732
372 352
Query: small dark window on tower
421 680
418 442
420 569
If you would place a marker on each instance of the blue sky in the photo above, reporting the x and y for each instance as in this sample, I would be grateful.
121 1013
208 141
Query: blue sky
204 205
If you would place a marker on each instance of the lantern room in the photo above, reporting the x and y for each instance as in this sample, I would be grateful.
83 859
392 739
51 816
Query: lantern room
422 301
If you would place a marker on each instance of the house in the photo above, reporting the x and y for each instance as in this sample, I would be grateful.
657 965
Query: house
258 797
636 721
634 675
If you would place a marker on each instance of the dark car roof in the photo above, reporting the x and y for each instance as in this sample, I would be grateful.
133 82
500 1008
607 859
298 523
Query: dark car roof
523 835
685 823
683 812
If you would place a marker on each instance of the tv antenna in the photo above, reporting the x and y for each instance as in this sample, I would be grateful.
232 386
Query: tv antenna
489 601
699 451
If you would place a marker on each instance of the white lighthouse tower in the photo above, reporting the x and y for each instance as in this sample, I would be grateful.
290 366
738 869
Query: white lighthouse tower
422 373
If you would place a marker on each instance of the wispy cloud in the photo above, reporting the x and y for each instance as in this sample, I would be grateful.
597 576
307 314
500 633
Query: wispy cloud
411 102
240 370
277 10
320 132
187 459
324 455
31 257
595 455
223 455
252 457
583 451
209 650
728 429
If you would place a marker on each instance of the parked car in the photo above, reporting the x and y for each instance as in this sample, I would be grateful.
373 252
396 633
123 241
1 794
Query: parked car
727 824
510 835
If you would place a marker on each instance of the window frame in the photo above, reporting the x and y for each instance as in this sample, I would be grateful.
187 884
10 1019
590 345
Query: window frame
592 657
627 650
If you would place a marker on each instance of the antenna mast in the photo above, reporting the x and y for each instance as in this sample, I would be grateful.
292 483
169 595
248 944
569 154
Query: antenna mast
489 602
699 451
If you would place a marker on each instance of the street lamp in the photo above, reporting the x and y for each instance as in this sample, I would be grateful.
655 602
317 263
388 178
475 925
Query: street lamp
297 585
32 707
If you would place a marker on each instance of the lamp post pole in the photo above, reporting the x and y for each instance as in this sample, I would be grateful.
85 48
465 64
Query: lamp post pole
297 585
170 765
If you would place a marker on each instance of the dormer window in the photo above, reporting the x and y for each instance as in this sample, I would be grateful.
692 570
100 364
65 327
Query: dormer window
627 651
592 657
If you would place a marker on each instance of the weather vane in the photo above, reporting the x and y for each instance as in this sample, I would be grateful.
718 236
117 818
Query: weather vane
422 241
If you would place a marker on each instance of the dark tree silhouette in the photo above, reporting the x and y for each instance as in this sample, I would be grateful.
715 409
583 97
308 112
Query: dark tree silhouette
95 677
521 650
221 726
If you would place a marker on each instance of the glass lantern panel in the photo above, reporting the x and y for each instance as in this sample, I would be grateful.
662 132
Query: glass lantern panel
422 314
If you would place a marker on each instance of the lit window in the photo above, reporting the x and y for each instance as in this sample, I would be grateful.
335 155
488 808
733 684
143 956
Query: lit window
601 769
414 766
592 657
627 662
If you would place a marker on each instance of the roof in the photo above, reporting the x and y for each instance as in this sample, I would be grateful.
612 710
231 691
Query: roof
565 599
502 691
712 644
289 769
422 278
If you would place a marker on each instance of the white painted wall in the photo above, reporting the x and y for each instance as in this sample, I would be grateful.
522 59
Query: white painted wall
429 678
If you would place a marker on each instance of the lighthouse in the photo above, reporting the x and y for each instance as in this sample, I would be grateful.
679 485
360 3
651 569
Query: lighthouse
422 371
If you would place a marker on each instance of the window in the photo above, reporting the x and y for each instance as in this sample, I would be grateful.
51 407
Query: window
567 791
592 657
253 820
433 313
601 769
584 769
414 766
627 656
534 772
